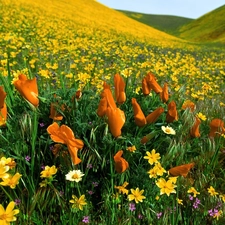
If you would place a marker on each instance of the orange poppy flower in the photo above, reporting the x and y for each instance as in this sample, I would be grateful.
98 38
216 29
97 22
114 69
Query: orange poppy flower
65 135
2 97
28 89
102 107
216 128
116 120
139 116
3 115
121 164
53 112
145 88
152 117
152 83
181 170
188 104
77 95
164 95
194 132
119 84
172 112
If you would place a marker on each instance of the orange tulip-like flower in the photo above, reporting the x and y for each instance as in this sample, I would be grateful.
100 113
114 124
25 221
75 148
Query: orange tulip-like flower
152 83
28 89
216 128
65 135
145 88
188 104
119 84
164 95
194 132
152 117
3 115
181 170
139 116
102 107
172 112
2 97
53 112
116 120
121 164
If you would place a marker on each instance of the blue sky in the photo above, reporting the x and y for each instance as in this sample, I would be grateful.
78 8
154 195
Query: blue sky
186 8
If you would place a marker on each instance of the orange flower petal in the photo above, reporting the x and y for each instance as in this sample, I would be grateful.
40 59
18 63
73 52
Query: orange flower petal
2 97
181 170
73 154
164 95
3 115
102 107
152 117
121 164
153 83
55 135
172 114
194 132
139 116
116 120
119 89
145 87
216 127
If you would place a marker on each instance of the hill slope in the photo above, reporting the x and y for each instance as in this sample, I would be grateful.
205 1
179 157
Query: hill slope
207 28
166 23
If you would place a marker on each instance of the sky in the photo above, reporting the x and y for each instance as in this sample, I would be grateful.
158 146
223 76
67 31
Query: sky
185 8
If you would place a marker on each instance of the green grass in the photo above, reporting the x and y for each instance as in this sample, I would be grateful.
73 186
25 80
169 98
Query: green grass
166 23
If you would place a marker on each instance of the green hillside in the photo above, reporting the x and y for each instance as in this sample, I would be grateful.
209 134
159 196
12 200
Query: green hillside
166 23
209 27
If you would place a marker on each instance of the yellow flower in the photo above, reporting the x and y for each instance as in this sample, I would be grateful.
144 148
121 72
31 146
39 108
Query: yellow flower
48 172
157 198
159 169
222 197
192 190
3 170
218 214
152 173
122 189
201 116
11 181
7 216
179 201
166 187
8 162
168 130
78 203
136 195
75 175
131 148
173 179
212 191
152 157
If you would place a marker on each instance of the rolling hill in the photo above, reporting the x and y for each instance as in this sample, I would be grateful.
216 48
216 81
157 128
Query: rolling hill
208 28
166 23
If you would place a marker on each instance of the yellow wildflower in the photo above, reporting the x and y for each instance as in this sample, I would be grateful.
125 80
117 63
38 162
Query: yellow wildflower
201 116
179 201
131 148
152 157
212 191
193 191
122 189
11 181
78 203
48 172
8 215
136 195
166 187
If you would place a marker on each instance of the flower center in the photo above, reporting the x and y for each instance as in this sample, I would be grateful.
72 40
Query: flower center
3 216
75 176
167 130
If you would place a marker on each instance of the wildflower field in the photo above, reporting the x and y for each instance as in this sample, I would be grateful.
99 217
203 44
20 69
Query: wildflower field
104 120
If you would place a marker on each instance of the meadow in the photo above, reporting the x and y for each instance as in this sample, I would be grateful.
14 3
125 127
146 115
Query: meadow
105 120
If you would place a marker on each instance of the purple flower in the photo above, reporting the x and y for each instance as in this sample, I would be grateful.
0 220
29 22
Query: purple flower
17 201
191 197
27 158
140 217
89 166
213 212
132 207
90 192
41 124
159 215
95 184
196 203
85 219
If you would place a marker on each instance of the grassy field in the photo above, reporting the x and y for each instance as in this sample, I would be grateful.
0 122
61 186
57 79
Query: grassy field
105 120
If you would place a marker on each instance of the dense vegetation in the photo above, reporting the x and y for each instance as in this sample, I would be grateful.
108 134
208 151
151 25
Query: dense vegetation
107 121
